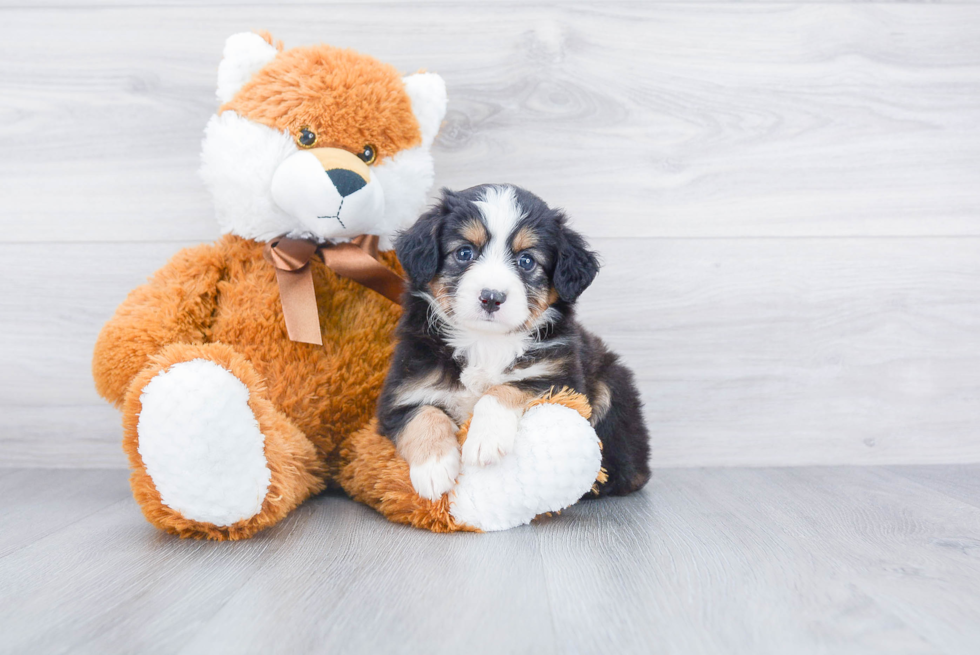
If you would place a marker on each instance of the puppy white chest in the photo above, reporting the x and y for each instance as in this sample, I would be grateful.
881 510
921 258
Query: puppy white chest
487 358
475 380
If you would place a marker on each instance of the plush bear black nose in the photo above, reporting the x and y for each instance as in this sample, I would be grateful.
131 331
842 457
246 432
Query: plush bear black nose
345 181
492 299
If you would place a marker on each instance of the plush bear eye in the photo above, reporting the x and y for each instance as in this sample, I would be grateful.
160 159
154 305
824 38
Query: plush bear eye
368 155
526 262
306 138
464 253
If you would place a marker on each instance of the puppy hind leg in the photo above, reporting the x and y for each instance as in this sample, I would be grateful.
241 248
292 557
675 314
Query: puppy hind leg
623 433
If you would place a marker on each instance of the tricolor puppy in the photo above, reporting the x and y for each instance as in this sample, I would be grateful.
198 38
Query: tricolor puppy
488 325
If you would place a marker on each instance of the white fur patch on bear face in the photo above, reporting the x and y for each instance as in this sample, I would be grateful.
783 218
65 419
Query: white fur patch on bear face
238 160
264 186
406 179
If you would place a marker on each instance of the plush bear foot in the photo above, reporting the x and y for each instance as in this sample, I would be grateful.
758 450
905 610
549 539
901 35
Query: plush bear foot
201 444
555 460
212 457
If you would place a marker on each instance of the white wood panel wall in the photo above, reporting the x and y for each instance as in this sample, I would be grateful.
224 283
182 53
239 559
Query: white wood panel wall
786 198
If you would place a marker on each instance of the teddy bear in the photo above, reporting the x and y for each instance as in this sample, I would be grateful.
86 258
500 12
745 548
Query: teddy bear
247 370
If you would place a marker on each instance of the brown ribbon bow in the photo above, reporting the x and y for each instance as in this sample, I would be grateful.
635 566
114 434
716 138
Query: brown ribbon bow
357 260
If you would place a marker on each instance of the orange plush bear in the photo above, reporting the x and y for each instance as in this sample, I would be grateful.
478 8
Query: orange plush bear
233 413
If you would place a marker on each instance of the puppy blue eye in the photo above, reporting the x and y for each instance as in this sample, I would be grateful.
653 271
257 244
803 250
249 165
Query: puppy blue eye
464 254
526 262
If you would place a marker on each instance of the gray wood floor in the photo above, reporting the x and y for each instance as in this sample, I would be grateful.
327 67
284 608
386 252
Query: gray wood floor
785 198
778 560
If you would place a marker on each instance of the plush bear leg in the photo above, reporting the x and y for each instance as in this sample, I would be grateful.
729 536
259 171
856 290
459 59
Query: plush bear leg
212 457
556 459
374 474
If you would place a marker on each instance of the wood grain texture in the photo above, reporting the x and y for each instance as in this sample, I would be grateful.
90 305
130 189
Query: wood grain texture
822 351
643 119
806 560
960 482
747 352
806 173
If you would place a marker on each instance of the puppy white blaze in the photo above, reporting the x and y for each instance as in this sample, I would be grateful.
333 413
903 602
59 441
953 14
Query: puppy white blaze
494 269
500 211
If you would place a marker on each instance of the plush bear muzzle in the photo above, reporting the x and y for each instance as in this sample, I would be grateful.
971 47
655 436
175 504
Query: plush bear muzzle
330 190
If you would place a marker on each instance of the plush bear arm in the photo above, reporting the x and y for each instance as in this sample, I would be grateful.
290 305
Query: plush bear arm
556 460
175 306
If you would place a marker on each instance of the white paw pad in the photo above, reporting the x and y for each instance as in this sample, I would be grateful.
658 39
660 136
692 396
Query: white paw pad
492 432
201 443
554 462
434 477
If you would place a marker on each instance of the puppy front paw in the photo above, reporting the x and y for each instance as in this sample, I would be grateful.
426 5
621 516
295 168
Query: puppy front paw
492 432
434 477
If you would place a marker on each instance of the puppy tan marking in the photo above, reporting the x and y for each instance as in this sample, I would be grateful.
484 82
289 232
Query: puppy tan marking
601 400
524 238
428 443
441 296
510 396
475 232
539 303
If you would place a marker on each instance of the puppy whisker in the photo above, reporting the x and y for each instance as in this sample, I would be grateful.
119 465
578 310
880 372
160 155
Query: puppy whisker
438 319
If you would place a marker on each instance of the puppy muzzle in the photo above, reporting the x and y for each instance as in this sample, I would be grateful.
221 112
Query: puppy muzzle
330 190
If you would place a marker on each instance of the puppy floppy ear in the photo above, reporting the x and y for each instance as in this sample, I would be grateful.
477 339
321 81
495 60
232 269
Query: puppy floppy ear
575 265
418 247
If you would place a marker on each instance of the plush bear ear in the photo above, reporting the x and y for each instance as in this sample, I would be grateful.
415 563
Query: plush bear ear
428 94
575 265
418 247
243 56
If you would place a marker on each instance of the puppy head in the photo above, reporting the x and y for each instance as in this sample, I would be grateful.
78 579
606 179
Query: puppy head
496 258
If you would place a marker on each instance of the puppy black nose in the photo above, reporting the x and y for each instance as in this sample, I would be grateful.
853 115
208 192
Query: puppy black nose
346 182
492 299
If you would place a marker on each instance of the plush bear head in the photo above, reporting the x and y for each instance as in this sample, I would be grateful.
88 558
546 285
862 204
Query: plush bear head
318 142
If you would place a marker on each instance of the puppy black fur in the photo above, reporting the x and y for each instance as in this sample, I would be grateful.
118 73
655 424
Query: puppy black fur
428 365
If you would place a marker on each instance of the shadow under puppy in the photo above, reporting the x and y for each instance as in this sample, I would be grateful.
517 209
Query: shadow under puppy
488 325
